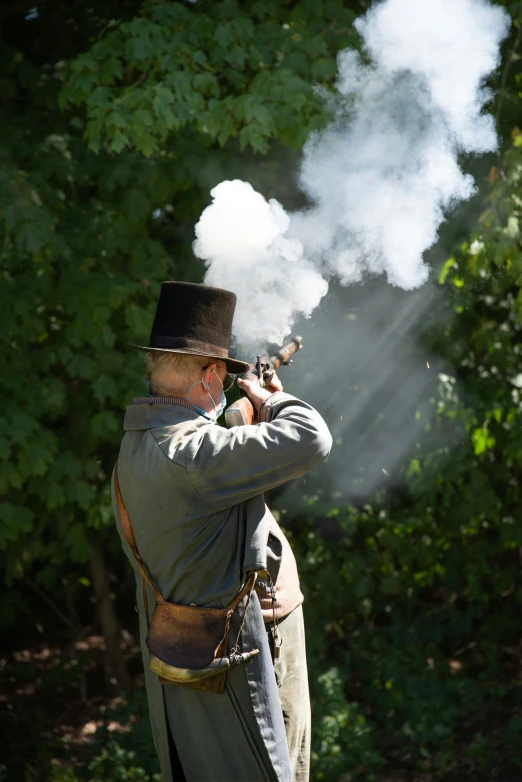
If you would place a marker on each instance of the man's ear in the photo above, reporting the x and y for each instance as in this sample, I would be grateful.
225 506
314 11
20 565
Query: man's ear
207 375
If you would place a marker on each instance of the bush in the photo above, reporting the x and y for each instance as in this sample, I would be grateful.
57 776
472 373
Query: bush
113 764
342 739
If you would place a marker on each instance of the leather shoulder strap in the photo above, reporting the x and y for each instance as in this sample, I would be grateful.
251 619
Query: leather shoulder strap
129 534
131 540
247 590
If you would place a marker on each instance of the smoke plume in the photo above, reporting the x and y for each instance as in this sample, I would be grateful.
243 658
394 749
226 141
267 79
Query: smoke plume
243 238
379 178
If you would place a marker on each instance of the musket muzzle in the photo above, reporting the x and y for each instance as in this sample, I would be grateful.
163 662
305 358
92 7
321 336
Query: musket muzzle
284 354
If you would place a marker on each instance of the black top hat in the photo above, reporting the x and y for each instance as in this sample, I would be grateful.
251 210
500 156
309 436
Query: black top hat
195 319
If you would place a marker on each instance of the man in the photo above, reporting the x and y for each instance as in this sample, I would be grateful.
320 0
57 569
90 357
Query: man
193 491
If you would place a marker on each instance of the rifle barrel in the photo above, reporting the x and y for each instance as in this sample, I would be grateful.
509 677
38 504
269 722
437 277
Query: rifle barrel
284 354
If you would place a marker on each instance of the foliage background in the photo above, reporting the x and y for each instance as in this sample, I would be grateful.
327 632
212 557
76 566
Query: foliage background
116 119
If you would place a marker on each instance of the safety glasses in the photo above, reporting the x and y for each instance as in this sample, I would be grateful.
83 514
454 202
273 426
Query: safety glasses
229 380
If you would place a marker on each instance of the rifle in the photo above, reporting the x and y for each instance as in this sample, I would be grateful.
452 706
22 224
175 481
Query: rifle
242 411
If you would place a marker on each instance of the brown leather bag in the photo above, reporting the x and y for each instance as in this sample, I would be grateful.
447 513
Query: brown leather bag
188 645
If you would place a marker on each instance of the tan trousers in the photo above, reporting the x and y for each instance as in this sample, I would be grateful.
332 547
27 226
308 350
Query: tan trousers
292 681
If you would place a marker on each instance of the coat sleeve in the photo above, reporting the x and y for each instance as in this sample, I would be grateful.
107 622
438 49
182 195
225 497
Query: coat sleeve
229 466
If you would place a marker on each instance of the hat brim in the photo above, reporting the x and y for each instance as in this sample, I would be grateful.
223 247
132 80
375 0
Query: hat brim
232 364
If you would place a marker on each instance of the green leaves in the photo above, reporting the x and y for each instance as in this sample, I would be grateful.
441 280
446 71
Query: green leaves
103 424
104 388
241 73
15 520
482 440
343 734
485 277
80 268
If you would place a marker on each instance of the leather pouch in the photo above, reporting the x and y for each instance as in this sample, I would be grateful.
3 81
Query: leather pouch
188 645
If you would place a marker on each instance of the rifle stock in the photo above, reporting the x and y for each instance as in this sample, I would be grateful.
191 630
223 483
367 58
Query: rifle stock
240 413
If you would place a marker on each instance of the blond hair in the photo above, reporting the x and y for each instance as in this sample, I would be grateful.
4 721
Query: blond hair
172 374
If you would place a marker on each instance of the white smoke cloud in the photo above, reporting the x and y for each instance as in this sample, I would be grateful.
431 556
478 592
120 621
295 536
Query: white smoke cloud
244 239
379 178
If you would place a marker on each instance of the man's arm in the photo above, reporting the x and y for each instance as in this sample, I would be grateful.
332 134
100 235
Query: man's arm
228 466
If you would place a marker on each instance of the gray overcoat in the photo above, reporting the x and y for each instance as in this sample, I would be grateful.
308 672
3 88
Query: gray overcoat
194 494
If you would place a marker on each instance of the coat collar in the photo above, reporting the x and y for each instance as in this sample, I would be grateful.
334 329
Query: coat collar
156 412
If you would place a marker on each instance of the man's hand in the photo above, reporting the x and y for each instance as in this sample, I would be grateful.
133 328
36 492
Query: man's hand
256 393
275 384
